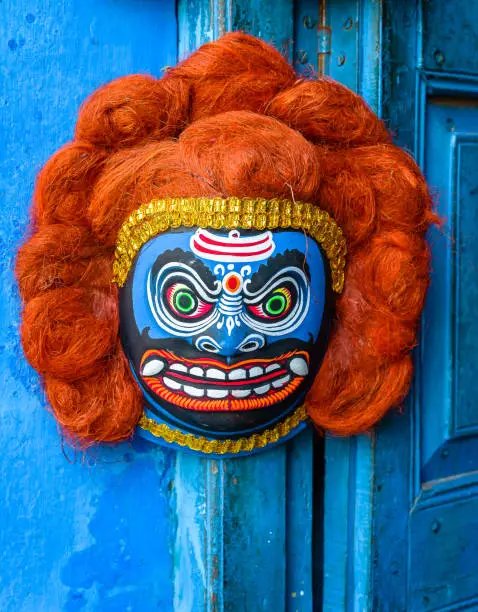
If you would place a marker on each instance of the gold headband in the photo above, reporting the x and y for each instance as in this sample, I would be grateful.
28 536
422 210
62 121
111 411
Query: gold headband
157 216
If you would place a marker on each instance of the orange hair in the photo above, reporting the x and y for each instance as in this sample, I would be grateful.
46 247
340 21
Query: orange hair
231 120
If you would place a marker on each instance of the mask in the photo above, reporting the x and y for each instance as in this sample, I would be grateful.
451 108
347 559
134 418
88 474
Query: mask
224 305
224 329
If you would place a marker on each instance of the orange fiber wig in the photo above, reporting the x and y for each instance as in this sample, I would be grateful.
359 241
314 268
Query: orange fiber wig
231 120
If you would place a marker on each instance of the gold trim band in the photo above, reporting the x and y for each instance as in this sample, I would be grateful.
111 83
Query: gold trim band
157 216
224 447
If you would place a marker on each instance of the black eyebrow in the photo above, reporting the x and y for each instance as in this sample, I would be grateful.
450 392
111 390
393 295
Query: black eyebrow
190 260
289 258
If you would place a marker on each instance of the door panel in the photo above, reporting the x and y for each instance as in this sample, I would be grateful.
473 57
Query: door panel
450 332
450 42
426 459
443 531
426 504
443 527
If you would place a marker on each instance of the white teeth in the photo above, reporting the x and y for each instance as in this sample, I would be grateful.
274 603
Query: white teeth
171 384
240 392
280 382
178 367
238 374
193 392
216 393
256 371
299 366
153 367
217 374
196 371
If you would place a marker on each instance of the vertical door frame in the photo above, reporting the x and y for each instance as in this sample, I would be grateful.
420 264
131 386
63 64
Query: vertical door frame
355 60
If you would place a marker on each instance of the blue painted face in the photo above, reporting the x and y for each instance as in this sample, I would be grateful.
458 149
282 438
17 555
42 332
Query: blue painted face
225 331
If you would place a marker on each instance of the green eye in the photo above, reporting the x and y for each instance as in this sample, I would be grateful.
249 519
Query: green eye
184 302
276 304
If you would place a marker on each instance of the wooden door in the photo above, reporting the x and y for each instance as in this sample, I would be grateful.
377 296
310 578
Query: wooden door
426 475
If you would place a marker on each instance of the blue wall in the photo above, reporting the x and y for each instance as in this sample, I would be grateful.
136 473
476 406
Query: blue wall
77 532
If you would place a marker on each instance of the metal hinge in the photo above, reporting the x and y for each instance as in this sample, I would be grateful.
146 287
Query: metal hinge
324 39
324 47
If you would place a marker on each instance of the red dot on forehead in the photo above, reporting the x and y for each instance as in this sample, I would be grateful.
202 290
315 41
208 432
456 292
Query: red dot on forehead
232 283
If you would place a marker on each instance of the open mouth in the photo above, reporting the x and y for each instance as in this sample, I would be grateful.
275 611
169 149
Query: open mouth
208 384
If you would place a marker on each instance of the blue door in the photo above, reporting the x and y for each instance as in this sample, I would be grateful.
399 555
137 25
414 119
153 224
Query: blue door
426 483
400 528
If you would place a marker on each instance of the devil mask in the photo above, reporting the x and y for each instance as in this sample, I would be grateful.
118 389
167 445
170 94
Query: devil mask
222 253
225 329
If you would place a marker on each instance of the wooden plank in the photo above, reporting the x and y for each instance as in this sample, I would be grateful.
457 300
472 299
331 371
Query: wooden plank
394 461
394 478
306 17
302 547
337 515
444 547
355 60
201 21
450 42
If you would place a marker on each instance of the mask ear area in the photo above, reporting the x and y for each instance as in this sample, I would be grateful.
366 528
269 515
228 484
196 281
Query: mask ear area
133 108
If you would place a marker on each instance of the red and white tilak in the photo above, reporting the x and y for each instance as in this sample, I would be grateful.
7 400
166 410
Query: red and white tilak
232 248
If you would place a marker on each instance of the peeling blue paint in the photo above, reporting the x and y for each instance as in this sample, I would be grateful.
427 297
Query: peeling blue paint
129 527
